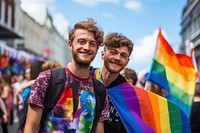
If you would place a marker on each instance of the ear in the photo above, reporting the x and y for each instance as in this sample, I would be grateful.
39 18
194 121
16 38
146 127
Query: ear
70 45
102 55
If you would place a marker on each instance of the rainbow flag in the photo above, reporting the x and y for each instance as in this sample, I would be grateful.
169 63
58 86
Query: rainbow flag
145 112
175 73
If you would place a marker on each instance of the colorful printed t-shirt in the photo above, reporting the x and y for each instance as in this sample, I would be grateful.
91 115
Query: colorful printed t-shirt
75 109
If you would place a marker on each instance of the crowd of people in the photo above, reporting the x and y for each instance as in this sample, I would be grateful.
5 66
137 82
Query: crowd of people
15 90
80 107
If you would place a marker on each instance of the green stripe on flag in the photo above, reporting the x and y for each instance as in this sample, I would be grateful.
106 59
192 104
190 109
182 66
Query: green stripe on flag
175 119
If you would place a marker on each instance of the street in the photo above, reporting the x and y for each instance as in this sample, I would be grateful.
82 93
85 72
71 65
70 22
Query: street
11 129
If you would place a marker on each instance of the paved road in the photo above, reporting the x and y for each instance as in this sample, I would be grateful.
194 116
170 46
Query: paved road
11 129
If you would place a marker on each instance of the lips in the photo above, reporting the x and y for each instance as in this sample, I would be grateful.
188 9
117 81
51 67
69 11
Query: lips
86 52
115 63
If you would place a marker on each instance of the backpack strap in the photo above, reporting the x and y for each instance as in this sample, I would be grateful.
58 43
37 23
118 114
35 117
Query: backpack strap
100 93
53 92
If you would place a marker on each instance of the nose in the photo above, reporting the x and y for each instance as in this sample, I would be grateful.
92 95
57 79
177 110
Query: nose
86 45
117 58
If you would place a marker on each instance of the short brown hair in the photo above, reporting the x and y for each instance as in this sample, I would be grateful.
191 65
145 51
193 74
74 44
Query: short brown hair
130 74
51 64
90 26
117 40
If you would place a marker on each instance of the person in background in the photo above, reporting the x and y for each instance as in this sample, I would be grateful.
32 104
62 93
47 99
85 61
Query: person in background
84 41
130 75
141 82
7 97
32 73
156 89
116 53
20 80
195 117
3 112
27 73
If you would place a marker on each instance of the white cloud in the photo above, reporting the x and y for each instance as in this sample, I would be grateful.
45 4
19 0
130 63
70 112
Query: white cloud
142 54
95 2
108 15
35 8
133 5
60 23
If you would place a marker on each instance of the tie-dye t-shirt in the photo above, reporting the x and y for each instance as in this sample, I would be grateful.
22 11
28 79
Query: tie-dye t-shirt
75 109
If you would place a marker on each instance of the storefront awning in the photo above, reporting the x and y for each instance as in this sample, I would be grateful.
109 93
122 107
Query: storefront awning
6 33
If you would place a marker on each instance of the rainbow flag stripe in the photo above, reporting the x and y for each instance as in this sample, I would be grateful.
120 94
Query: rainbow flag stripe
175 73
97 74
145 112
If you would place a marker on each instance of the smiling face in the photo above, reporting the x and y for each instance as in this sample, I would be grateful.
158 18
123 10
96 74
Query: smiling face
84 47
115 59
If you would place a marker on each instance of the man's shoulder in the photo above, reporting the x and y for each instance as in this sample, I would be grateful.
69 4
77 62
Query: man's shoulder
42 80
119 80
45 74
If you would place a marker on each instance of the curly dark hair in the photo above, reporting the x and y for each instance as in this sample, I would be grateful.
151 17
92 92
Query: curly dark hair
117 40
90 26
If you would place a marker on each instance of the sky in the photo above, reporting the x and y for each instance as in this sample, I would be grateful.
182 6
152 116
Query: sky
139 20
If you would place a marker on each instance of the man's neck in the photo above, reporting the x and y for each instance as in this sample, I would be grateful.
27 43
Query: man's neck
196 99
108 77
79 71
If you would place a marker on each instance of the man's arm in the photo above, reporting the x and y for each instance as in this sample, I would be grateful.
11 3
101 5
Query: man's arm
3 108
100 127
33 119
25 85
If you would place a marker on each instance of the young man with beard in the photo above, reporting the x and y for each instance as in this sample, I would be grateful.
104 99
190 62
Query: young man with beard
116 55
84 41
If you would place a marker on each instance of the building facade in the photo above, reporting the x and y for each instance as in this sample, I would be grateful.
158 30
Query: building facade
7 20
191 27
40 38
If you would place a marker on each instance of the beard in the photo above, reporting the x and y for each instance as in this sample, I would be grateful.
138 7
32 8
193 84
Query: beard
81 61
108 66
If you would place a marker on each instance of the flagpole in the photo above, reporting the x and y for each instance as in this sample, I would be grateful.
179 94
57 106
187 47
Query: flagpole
194 60
146 85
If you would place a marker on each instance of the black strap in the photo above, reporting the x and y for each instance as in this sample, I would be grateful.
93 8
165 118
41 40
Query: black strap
75 85
53 92
100 93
